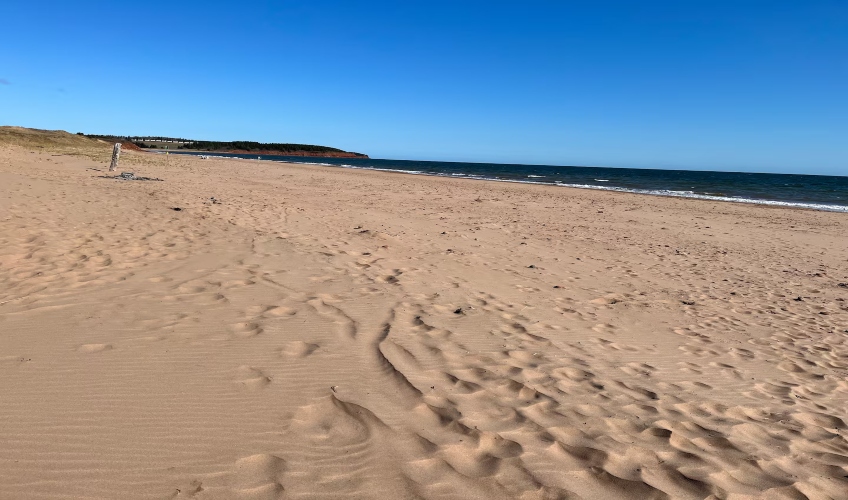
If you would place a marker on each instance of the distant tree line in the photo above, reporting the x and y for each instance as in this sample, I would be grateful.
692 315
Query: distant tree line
105 137
134 138
257 146
144 142
158 139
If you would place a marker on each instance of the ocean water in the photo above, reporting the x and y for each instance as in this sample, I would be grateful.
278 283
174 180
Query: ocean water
819 192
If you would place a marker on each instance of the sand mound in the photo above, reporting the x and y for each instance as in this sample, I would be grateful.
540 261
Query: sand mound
44 139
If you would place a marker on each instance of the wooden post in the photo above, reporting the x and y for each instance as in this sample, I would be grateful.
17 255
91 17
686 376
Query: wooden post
116 153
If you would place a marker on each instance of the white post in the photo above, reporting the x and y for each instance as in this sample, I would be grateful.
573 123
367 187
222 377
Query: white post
116 153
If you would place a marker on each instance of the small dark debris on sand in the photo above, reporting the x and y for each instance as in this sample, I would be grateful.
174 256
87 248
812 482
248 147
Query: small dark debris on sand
129 176
688 302
176 209
458 311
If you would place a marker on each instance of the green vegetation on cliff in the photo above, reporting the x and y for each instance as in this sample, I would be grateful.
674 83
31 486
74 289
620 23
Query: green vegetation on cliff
158 142
264 147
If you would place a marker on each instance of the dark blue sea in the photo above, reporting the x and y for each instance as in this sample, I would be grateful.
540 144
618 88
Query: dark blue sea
819 192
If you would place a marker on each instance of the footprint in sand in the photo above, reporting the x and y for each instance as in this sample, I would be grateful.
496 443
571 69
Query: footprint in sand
246 329
252 378
256 476
298 349
259 475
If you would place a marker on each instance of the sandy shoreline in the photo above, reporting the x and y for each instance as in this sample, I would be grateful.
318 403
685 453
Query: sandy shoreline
804 205
346 333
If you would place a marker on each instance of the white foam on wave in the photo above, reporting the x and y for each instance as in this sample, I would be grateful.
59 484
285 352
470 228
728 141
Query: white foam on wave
305 163
690 194
655 192
357 167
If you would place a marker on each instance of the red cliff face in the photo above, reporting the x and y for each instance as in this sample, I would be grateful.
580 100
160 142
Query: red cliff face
329 154
128 145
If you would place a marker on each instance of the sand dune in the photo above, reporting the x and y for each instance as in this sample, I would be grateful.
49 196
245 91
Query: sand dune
330 333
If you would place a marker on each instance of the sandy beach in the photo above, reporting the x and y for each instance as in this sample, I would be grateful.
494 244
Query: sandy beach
297 331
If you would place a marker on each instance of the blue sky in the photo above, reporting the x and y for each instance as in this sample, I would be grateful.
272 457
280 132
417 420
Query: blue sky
719 85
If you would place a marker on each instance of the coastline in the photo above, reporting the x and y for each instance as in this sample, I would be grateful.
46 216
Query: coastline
355 333
536 179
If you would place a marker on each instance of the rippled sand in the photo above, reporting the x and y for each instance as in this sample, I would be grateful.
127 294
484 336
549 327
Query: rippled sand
328 333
